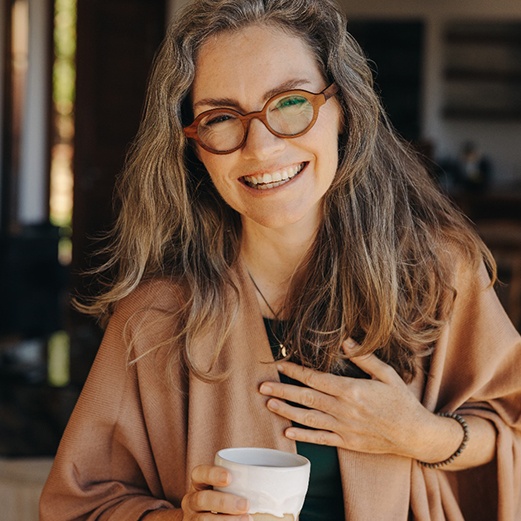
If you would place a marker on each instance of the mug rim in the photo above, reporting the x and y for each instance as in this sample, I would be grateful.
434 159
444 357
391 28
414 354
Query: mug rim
293 460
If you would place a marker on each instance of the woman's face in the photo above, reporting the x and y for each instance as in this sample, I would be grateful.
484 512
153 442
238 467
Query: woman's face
270 181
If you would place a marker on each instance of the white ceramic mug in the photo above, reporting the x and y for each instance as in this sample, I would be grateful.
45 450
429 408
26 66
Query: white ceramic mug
274 482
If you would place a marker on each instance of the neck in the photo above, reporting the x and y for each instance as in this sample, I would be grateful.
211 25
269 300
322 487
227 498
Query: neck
276 253
273 258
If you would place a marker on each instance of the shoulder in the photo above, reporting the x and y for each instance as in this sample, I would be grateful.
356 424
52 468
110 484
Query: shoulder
476 305
155 295
467 259
149 315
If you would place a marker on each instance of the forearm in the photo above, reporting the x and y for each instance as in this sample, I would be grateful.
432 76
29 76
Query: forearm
443 436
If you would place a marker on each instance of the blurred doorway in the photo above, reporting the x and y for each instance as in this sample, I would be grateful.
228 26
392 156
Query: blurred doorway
116 42
93 119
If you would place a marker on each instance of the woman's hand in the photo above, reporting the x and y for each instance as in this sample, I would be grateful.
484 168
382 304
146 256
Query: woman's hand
204 504
380 415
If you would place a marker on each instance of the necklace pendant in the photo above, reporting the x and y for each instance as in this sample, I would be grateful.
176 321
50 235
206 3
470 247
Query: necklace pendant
282 350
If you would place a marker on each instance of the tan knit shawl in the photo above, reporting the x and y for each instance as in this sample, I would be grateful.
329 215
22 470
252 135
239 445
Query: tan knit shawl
132 440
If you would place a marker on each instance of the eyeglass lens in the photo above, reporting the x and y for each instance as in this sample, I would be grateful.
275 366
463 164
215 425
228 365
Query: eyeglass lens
287 114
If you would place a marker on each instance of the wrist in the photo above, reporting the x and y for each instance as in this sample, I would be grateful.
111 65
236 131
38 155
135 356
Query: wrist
448 438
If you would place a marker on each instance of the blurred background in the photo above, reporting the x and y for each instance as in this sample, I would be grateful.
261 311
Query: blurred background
71 96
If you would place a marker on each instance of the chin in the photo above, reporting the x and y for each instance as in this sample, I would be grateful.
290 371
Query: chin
277 221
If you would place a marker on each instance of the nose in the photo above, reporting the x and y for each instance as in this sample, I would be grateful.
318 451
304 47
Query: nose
260 142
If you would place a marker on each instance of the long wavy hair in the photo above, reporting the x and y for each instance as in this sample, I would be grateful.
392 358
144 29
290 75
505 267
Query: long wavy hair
383 255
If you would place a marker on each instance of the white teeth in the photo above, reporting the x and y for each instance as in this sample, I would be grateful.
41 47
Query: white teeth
274 179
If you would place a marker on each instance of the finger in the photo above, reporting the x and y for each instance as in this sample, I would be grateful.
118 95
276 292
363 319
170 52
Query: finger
213 516
206 476
324 382
310 398
376 368
318 437
309 417
350 346
218 502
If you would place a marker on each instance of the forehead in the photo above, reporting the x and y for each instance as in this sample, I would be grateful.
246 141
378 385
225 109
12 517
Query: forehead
252 60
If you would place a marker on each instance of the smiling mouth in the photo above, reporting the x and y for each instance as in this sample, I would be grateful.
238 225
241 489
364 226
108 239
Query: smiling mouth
278 178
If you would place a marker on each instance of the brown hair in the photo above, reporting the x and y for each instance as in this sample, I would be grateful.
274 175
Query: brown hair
382 264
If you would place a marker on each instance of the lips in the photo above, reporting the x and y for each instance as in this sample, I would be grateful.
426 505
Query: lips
273 179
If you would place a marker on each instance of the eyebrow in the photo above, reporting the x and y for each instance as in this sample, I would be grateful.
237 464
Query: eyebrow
229 102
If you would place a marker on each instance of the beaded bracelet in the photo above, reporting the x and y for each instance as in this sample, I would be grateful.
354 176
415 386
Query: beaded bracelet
463 444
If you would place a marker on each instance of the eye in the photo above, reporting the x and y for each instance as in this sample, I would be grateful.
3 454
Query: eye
290 102
218 118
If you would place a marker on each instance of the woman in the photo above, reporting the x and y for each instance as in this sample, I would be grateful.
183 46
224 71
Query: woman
266 182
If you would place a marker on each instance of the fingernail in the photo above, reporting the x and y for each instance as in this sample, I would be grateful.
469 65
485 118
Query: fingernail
280 368
223 477
290 434
350 343
242 504
266 389
273 405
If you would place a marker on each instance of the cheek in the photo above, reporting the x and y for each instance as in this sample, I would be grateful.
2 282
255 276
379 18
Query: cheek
208 160
330 162
329 146
218 168
332 126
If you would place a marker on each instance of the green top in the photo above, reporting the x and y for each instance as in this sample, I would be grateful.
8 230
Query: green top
324 500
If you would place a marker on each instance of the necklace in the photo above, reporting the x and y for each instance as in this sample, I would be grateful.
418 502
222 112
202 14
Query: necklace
282 348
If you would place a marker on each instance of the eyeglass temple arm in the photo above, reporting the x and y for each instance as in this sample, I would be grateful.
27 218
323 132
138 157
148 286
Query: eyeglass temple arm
331 91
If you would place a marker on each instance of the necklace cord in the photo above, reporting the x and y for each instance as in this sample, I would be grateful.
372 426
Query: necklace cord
282 348
276 315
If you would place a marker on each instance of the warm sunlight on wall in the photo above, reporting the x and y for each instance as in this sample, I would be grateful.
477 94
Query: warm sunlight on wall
64 78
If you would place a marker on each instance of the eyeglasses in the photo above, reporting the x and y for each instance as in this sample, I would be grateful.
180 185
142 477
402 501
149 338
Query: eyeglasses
288 114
